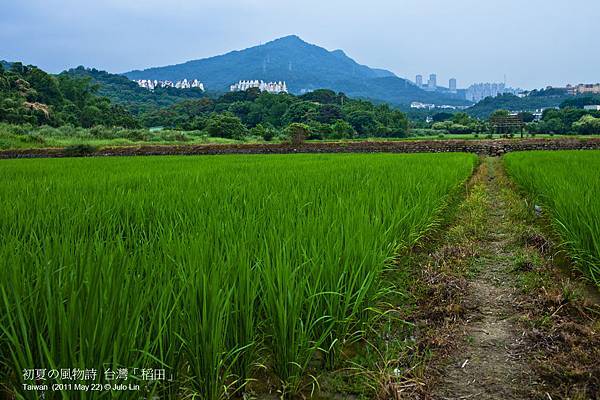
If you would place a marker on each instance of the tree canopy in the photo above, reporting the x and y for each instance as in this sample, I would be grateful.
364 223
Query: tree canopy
30 95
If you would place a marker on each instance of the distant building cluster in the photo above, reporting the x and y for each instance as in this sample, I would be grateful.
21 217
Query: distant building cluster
589 88
594 107
480 91
538 113
183 84
270 87
425 106
431 85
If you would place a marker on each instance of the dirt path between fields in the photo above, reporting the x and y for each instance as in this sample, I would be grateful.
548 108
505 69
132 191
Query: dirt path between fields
489 363
497 318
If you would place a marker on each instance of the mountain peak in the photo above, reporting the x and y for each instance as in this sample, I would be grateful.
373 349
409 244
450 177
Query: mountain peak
289 38
287 41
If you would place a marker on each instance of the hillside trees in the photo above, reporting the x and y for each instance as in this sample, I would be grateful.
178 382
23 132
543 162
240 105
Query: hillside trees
30 95
587 125
333 118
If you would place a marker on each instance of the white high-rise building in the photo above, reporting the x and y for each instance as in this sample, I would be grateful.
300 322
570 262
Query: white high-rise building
183 84
270 87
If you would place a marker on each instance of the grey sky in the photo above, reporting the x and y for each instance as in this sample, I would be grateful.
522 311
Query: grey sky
534 42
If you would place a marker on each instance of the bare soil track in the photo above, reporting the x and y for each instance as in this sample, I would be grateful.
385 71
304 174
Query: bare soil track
501 320
489 363
484 147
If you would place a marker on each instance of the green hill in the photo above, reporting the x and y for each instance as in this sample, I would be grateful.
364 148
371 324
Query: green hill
119 89
534 101
30 95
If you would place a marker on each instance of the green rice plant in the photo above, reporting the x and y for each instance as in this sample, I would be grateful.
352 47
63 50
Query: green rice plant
567 185
205 266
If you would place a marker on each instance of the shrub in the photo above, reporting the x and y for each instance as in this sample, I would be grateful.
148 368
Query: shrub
175 136
342 130
226 125
266 132
138 135
102 132
297 133
69 131
33 138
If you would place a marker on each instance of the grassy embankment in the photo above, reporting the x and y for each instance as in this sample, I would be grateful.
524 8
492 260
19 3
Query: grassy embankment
25 137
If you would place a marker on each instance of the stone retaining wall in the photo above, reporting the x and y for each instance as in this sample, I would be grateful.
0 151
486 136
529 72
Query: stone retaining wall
483 147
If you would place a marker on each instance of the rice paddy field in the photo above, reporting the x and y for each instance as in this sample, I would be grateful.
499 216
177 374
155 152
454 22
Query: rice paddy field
567 185
218 270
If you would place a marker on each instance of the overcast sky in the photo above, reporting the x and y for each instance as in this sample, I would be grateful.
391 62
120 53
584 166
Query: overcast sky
534 43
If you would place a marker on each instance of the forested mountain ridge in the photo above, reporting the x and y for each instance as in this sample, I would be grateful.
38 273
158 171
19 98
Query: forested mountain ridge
304 67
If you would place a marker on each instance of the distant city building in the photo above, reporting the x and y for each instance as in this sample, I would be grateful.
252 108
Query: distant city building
595 107
419 80
432 84
452 85
270 87
184 84
480 91
589 88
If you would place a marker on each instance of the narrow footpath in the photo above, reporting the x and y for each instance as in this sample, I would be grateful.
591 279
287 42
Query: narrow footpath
489 365
499 319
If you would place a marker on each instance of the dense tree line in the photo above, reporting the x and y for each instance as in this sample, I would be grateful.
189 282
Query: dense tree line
568 120
581 101
326 114
30 95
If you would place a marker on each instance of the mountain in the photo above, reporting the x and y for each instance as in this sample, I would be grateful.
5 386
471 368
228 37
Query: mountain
5 64
303 66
